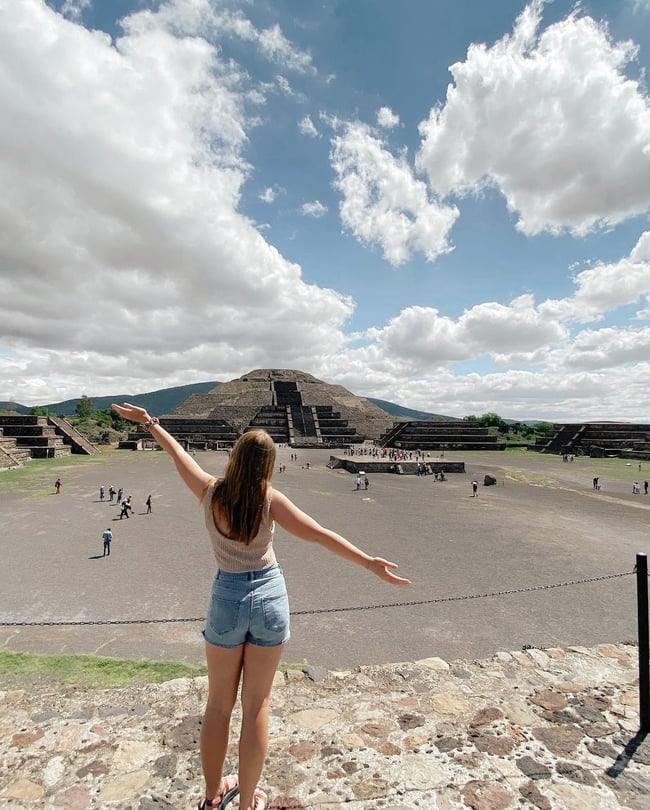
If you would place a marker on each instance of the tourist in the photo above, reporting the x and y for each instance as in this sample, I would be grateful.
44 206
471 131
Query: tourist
635 488
645 487
147 503
366 483
112 492
126 507
107 537
57 486
357 482
474 489
101 493
240 511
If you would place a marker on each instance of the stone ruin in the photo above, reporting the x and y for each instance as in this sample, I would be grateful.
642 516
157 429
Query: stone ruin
292 406
23 437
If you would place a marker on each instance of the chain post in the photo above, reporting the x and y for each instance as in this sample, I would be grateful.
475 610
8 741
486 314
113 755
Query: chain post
644 642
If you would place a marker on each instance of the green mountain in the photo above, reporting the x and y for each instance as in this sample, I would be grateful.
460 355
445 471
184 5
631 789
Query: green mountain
14 407
166 400
400 412
159 402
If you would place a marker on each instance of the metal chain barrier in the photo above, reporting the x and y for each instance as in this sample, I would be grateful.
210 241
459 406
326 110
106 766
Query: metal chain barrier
316 611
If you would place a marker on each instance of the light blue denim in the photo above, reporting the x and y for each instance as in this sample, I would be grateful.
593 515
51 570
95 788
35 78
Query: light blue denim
248 608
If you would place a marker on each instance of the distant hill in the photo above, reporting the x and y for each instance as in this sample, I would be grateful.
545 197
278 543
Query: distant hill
166 400
159 402
400 412
14 407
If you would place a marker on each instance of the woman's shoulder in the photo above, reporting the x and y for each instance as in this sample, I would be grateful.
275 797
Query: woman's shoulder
209 487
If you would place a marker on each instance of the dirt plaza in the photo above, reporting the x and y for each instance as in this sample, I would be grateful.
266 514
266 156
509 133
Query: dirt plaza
480 566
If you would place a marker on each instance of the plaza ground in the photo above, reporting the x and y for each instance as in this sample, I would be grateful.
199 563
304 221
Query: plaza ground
542 524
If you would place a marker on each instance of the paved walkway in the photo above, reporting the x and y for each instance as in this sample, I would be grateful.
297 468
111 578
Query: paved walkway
541 525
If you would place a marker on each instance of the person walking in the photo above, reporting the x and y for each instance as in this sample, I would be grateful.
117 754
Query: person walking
57 486
247 621
102 492
107 537
147 503
474 489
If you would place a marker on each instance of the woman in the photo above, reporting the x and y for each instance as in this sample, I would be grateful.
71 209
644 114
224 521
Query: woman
248 616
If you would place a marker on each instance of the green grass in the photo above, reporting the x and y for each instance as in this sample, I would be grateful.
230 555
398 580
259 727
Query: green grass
40 473
35 478
25 669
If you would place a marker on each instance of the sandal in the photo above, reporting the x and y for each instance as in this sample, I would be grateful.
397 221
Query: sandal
230 790
260 800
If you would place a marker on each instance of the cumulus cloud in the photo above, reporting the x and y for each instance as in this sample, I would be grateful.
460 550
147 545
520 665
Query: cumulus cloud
606 287
386 118
127 265
383 203
550 119
307 127
122 253
554 365
210 19
268 195
422 338
74 9
314 209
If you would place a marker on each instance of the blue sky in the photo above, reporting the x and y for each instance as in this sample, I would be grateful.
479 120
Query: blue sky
440 204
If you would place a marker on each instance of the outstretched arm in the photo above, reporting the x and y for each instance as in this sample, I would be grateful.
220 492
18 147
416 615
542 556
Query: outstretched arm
196 478
300 524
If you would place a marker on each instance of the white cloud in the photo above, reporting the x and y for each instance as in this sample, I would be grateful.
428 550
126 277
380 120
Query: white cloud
268 195
607 348
383 203
386 118
307 127
74 9
284 85
126 265
122 254
551 120
277 47
210 19
604 288
314 209
423 339
422 342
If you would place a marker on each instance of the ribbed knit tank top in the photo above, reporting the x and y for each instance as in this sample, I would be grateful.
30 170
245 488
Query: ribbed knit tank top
232 555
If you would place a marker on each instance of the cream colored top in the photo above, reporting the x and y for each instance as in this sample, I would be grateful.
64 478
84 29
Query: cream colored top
232 555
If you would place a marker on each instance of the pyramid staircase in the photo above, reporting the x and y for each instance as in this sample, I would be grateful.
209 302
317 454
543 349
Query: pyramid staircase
27 436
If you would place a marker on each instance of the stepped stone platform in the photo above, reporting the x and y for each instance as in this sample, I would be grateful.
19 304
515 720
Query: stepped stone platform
441 435
368 464
23 437
551 729
597 439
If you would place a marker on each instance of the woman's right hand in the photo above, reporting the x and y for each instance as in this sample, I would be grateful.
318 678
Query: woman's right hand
131 412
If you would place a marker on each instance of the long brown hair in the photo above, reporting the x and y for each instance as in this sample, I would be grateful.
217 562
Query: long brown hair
240 495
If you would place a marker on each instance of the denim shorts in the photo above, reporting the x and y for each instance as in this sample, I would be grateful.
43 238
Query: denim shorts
248 608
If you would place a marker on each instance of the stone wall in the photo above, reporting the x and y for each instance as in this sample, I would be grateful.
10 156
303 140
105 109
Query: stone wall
546 729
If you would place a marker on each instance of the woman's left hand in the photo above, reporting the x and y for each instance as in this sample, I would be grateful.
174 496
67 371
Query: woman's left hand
382 568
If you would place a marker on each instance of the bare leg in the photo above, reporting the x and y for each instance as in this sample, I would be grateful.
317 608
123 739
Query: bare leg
224 671
260 665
